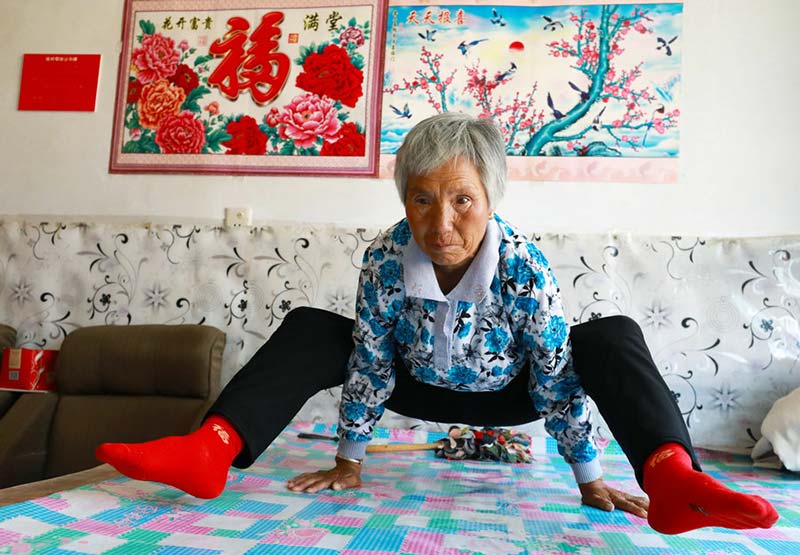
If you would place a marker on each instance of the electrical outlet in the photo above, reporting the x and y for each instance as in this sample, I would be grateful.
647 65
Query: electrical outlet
238 217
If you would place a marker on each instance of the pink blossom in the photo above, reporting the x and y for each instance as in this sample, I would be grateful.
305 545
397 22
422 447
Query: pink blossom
308 117
352 35
676 112
640 27
616 123
624 138
156 59
573 17
658 125
184 45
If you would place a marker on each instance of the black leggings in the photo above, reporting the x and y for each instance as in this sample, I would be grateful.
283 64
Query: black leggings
310 350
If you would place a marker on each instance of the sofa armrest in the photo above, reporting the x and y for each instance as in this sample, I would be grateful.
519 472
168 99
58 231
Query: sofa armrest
7 398
24 432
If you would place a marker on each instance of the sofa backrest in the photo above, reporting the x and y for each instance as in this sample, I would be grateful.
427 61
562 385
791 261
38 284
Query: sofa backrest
130 384
161 360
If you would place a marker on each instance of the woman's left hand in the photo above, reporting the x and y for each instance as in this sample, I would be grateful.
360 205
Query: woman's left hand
598 494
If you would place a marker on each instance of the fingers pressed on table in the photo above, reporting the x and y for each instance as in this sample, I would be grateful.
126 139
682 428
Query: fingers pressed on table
631 507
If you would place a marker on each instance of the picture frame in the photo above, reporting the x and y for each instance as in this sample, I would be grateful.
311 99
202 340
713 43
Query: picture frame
249 87
582 91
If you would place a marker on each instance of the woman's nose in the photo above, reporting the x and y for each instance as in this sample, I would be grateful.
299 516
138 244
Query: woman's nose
442 218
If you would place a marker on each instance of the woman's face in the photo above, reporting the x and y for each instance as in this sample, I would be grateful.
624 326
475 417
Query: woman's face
447 210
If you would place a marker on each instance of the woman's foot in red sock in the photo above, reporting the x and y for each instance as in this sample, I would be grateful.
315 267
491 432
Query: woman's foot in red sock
683 499
196 463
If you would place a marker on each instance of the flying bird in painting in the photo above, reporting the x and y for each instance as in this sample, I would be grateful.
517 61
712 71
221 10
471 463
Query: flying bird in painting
596 122
404 113
464 46
665 44
497 19
501 77
428 35
659 110
584 94
556 114
552 24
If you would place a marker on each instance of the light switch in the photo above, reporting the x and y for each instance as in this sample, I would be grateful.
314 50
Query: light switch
238 217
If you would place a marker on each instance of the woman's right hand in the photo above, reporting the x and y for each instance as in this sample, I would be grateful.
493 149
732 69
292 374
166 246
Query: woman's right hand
345 475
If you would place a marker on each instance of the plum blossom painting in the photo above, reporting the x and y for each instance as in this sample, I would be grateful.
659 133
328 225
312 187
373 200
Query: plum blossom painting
581 91
248 86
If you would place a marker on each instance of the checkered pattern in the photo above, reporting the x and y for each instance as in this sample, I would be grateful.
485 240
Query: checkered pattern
411 504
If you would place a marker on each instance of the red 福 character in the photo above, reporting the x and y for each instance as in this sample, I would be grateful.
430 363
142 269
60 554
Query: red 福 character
265 70
260 68
226 76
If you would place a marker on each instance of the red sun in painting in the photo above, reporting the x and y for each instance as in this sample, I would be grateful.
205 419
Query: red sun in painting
516 46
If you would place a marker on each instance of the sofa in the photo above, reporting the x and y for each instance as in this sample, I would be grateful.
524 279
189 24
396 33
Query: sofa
114 384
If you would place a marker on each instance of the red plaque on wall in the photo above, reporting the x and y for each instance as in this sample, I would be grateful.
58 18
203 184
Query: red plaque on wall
65 82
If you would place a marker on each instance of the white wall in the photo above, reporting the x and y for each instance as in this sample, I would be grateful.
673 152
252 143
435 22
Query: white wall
739 145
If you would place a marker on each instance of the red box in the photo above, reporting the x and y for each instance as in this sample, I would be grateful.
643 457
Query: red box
28 370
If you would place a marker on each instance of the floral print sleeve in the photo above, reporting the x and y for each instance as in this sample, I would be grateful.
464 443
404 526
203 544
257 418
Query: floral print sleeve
555 388
370 373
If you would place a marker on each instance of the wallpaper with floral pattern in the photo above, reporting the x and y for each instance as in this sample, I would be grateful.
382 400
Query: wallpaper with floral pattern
721 316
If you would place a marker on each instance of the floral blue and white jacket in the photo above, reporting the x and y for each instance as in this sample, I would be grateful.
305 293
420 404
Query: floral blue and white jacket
504 314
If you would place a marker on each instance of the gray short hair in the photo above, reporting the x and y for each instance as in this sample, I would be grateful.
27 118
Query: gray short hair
445 137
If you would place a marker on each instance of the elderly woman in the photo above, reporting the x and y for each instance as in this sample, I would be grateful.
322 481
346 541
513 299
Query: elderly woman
458 319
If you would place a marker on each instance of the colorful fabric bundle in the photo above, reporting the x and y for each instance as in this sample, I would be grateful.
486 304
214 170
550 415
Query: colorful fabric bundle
495 444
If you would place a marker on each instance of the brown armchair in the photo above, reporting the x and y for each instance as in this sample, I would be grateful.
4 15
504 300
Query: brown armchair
115 383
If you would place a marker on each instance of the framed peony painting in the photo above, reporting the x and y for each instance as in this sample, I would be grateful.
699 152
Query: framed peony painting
250 86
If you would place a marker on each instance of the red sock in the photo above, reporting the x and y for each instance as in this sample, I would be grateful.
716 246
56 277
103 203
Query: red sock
196 463
683 499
